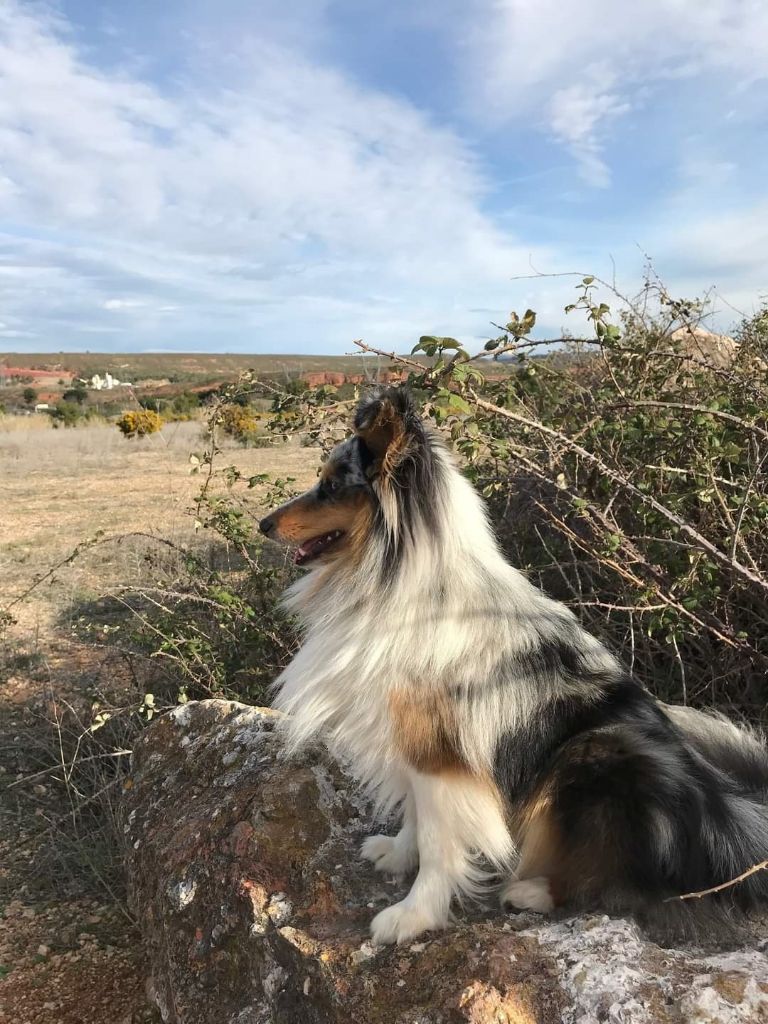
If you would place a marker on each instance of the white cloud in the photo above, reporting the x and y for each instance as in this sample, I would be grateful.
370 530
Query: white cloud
121 304
261 199
583 64
578 114
277 185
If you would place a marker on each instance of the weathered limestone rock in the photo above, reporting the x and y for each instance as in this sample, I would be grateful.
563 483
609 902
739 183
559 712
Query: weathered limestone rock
713 349
254 905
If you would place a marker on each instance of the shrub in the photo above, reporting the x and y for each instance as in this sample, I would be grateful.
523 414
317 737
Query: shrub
185 404
239 422
217 630
77 394
630 482
29 395
139 423
65 414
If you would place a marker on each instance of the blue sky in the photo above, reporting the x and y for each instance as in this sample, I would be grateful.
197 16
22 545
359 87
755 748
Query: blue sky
263 176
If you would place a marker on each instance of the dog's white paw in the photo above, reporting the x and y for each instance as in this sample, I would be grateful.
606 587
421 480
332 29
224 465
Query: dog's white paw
401 922
528 894
389 854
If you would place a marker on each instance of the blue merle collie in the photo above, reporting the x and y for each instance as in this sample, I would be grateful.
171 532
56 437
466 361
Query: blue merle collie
510 742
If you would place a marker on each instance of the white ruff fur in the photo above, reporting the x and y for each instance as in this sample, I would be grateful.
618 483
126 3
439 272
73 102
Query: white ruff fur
452 615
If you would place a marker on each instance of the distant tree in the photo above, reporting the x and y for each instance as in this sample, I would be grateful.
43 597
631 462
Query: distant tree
76 394
29 395
65 414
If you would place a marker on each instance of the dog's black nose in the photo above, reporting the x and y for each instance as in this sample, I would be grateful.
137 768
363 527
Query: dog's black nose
267 525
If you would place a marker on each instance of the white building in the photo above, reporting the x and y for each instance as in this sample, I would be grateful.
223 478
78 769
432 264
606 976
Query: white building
107 382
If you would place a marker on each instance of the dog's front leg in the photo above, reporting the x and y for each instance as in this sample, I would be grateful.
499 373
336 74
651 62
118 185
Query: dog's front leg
445 859
396 855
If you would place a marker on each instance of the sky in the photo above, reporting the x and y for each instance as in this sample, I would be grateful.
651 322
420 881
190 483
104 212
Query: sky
272 176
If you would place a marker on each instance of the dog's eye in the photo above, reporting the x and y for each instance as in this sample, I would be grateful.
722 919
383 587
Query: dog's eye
332 486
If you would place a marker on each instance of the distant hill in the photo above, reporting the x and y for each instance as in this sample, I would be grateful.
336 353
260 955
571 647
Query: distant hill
154 370
184 366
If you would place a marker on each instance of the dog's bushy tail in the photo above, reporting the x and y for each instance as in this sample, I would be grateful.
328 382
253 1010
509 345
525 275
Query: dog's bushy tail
730 765
736 831
738 751
657 805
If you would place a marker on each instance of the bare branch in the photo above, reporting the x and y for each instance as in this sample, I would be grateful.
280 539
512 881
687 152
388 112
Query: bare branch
719 888
685 407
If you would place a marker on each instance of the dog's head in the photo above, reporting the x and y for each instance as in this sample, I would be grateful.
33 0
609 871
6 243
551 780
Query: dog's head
361 483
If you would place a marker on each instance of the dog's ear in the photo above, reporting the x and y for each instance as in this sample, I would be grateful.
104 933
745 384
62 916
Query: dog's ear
387 422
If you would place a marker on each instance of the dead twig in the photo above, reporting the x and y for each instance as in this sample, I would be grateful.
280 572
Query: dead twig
719 888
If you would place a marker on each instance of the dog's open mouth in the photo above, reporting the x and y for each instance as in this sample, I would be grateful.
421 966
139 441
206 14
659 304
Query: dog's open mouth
315 546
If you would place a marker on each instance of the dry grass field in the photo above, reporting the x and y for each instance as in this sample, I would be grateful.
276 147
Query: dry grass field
67 951
62 486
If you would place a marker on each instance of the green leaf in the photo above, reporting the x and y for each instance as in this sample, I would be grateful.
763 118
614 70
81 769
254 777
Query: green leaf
458 403
472 373
430 343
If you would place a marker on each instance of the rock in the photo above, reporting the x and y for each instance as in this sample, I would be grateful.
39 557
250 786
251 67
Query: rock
719 350
254 905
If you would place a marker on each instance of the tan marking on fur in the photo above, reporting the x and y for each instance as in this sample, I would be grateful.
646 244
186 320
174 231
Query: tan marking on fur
582 867
387 439
396 451
541 848
425 732
305 517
